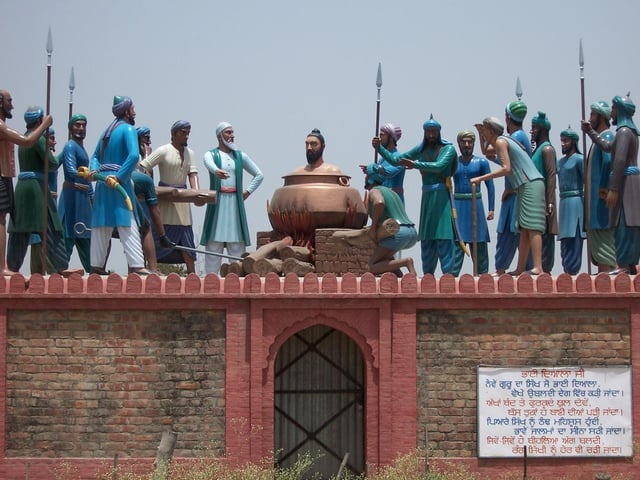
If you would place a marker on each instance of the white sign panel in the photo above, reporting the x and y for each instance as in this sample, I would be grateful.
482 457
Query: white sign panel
555 412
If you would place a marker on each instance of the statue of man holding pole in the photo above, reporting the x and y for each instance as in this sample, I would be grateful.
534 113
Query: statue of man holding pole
30 199
470 166
8 139
623 196
597 175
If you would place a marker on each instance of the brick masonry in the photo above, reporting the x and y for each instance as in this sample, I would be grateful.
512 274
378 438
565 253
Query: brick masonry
452 344
116 361
88 384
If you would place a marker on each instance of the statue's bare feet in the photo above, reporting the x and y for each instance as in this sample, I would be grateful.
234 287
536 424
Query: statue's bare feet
410 266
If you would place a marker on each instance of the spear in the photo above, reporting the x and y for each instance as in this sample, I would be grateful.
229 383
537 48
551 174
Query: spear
379 85
72 87
45 183
474 229
518 88
587 187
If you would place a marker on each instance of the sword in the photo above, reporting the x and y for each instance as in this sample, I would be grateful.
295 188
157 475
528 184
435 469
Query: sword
215 254
454 218
80 227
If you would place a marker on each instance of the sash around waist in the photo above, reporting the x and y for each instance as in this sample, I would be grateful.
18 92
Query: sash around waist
433 187
571 193
466 196
75 186
30 176
109 167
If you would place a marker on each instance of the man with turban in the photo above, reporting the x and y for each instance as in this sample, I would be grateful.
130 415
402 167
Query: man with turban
8 139
469 166
225 223
176 163
436 160
508 237
76 200
393 175
571 182
544 158
147 204
27 223
524 177
623 196
600 238
383 203
116 156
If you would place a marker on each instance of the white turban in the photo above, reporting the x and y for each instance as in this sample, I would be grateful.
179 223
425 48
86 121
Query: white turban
221 127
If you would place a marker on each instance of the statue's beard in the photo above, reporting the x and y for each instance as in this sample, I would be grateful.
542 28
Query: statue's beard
230 145
313 155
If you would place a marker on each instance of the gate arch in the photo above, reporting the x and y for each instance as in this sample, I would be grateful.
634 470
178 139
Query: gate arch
319 400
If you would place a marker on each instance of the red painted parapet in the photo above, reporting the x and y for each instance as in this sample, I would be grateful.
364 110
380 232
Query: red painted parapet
312 283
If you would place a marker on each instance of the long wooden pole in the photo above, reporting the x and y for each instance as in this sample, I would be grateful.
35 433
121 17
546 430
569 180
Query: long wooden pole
45 186
474 226
587 187
379 85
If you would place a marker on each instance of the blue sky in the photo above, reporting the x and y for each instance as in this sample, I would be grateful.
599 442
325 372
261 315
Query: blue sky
278 69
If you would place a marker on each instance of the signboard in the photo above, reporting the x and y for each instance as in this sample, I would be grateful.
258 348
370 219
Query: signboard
555 411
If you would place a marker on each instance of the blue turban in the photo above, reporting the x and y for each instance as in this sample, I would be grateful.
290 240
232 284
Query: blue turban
179 125
50 132
602 108
222 126
121 105
142 130
569 133
33 114
431 123
626 109
76 118
542 121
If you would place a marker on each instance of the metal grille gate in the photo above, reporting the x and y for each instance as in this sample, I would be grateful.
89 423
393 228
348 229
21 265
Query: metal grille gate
319 400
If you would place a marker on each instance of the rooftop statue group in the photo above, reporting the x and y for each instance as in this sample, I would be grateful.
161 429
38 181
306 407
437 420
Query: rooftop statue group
112 193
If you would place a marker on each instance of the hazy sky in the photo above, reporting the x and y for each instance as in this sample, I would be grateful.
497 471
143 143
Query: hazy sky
278 69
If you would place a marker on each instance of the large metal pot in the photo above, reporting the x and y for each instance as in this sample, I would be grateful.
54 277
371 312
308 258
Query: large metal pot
311 200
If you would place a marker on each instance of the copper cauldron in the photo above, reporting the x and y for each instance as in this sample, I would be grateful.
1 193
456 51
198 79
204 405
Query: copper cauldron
311 200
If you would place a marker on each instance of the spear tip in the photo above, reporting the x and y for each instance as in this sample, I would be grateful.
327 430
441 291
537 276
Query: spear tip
379 76
581 55
72 81
49 42
518 89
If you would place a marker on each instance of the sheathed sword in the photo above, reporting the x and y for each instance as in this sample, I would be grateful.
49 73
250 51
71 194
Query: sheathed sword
84 172
454 218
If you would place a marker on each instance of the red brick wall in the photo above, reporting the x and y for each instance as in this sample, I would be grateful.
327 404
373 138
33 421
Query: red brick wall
452 344
92 384
208 345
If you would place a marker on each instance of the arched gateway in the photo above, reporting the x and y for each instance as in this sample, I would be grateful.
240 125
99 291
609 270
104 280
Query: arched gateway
319 400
